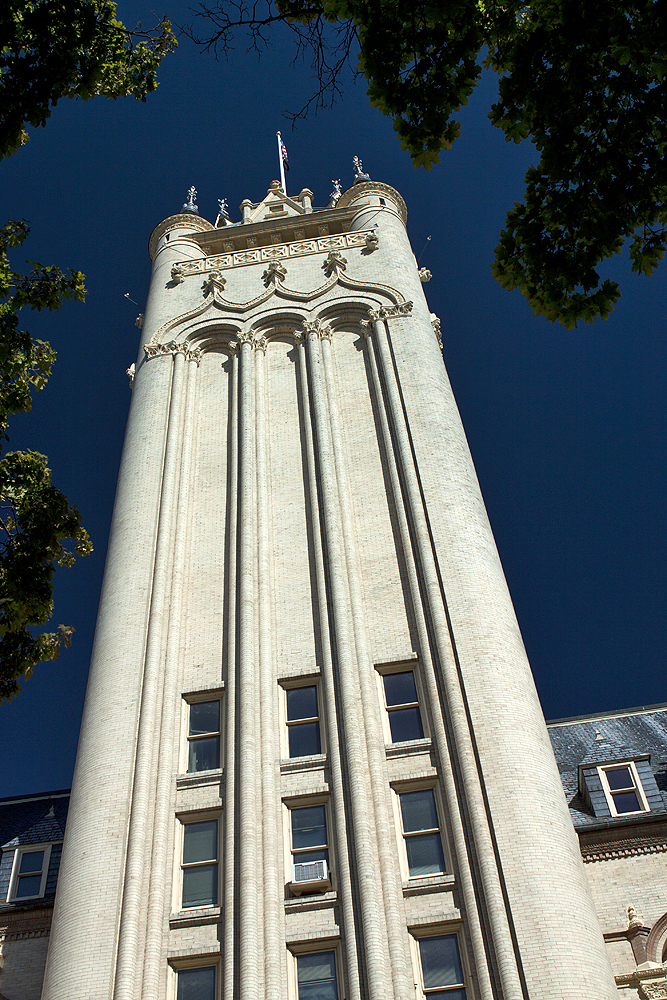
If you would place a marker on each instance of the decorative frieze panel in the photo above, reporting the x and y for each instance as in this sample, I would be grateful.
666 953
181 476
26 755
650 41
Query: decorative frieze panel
300 248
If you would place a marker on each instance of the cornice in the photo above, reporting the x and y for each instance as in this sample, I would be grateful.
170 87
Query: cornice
623 842
349 197
185 220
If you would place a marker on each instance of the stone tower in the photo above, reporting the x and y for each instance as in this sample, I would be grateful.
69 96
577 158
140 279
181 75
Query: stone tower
313 764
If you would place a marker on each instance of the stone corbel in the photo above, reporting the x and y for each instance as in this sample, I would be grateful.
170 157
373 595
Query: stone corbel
372 242
274 273
334 263
177 274
424 274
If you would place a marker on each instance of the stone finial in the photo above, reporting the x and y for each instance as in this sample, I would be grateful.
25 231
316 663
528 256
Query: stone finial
424 275
130 372
139 321
275 272
223 213
359 174
334 263
190 205
335 194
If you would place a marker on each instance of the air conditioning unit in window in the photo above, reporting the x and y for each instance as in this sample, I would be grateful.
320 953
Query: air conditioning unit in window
310 876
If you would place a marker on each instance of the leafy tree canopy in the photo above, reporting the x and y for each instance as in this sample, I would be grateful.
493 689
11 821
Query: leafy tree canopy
39 530
585 82
51 49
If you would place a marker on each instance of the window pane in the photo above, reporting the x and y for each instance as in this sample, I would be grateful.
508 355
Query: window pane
204 717
200 886
399 689
196 984
200 842
447 995
441 963
317 976
302 703
626 802
405 724
418 810
309 827
28 885
425 855
619 777
204 754
304 739
32 862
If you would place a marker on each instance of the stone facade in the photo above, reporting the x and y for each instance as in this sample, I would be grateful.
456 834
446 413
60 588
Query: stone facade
297 511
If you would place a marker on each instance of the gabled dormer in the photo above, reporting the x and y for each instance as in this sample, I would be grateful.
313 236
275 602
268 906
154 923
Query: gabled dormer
277 205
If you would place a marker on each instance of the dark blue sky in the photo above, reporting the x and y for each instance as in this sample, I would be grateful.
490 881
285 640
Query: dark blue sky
567 428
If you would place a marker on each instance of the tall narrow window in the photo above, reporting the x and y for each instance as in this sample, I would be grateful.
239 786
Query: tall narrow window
623 789
196 984
316 976
310 848
421 831
303 721
204 736
400 693
442 972
30 870
200 864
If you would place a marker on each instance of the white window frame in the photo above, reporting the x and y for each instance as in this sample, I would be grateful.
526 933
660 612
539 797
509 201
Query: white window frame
288 684
308 948
19 852
637 788
188 962
401 788
409 666
183 820
196 698
418 934
292 858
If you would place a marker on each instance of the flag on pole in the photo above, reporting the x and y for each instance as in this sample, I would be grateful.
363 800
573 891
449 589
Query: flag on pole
283 153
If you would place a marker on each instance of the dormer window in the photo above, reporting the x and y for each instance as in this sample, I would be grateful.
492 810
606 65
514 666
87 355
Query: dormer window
623 789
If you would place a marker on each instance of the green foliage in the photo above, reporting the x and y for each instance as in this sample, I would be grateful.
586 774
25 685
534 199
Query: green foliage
38 529
70 48
585 82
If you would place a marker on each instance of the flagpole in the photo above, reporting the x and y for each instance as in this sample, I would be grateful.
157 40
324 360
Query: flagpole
280 161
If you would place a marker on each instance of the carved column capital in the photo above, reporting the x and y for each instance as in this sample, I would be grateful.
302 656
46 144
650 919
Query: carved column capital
173 347
387 312
314 329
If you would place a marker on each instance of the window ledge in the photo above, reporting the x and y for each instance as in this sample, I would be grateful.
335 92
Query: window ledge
408 749
195 917
431 883
321 901
199 778
292 764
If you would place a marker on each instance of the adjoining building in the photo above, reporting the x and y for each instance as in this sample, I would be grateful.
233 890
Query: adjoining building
312 761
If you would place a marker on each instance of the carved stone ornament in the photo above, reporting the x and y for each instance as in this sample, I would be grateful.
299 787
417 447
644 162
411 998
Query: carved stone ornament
387 312
177 274
190 354
372 242
190 205
314 329
274 273
334 263
139 321
435 323
653 989
359 174
214 280
130 372
335 194
247 337
424 275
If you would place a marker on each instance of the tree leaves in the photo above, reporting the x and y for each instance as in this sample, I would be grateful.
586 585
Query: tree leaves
38 529
586 83
70 48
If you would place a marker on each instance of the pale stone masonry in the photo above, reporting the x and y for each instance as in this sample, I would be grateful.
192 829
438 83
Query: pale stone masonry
297 510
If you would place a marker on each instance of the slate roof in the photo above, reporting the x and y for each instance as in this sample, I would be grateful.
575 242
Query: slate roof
626 735
28 819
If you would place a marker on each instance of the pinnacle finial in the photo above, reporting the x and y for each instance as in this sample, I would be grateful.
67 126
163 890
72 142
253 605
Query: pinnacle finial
223 213
335 194
190 205
359 174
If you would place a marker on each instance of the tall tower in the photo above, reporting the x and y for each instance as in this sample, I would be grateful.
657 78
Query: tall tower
312 763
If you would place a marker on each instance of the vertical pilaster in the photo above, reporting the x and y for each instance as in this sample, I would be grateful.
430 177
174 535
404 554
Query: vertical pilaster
374 948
